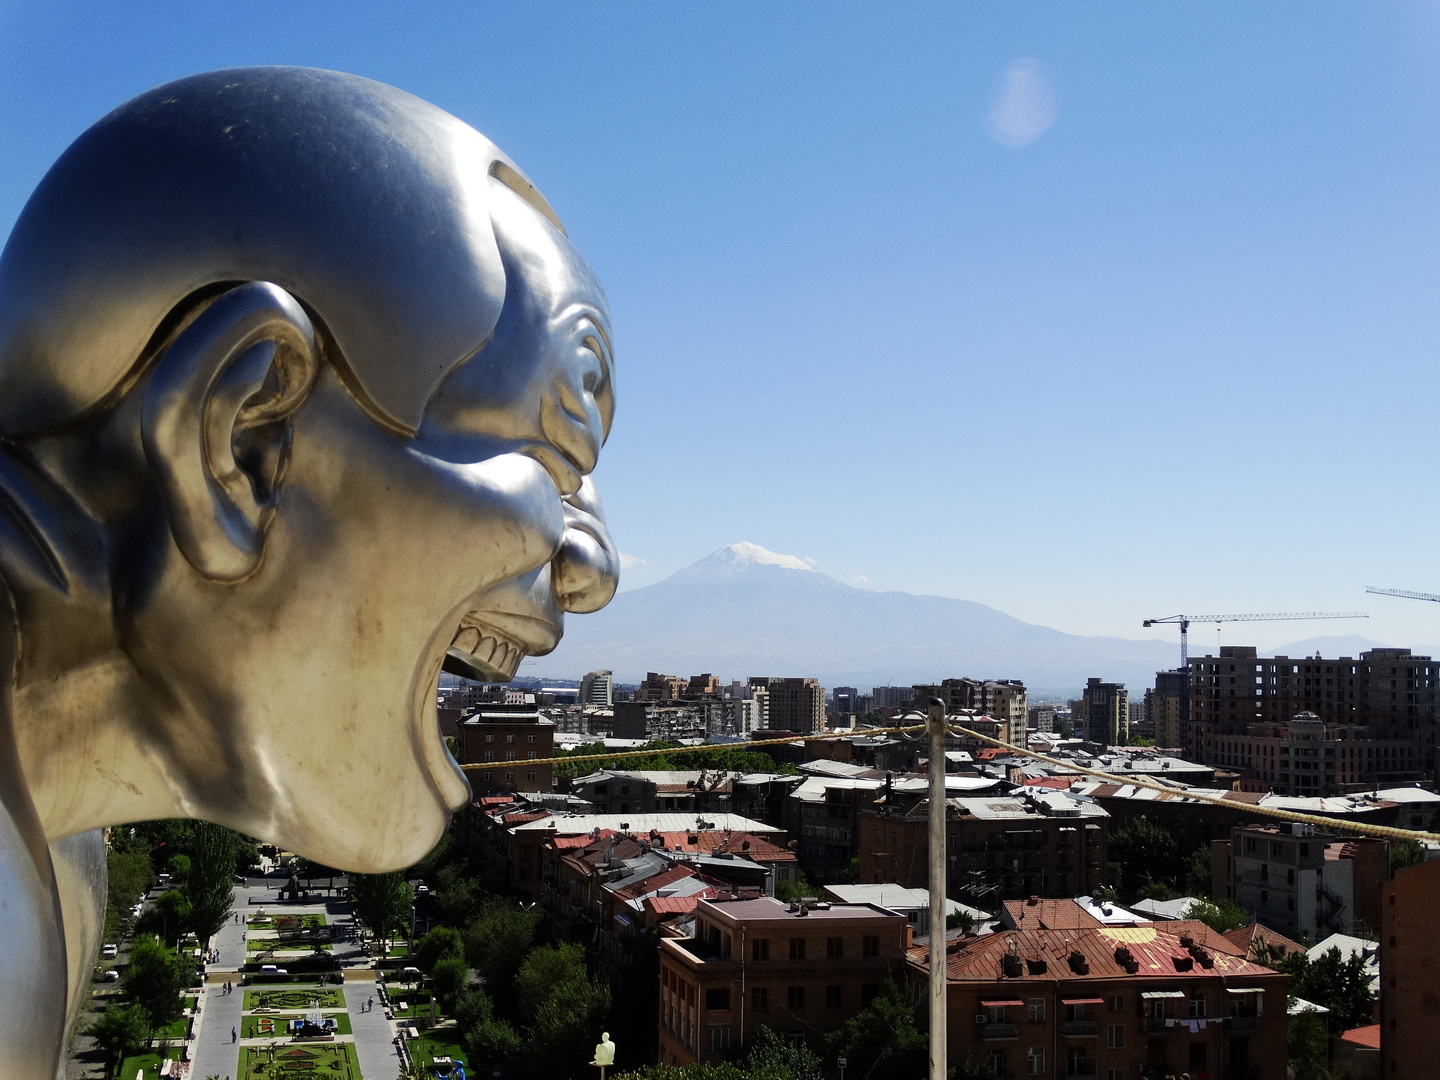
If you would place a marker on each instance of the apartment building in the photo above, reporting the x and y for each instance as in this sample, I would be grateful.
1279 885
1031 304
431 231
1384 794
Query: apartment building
622 791
658 687
1299 882
1070 997
1164 707
802 970
1305 756
597 689
1409 969
796 705
891 697
1104 708
1035 843
504 741
1390 691
1002 699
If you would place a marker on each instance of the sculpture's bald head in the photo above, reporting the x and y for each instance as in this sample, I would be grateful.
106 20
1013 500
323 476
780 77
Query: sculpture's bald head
368 204
324 378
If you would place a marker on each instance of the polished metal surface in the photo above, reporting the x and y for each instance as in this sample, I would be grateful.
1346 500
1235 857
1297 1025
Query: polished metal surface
301 384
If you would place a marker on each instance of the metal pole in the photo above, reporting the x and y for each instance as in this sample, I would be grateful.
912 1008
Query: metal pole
937 888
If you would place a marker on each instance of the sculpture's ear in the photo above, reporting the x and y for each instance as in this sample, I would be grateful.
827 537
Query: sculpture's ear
217 423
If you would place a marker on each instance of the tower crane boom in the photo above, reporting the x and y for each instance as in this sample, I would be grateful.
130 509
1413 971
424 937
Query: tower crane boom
1406 593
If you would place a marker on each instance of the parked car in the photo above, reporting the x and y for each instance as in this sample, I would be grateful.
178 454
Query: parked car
271 969
421 890
111 976
241 879
109 952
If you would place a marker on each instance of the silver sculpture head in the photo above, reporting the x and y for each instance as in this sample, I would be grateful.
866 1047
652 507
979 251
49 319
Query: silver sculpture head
301 382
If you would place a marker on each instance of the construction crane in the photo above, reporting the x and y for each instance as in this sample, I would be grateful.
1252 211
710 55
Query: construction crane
1184 622
1406 593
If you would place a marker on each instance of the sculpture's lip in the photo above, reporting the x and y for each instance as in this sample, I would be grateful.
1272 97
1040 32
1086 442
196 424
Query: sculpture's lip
490 645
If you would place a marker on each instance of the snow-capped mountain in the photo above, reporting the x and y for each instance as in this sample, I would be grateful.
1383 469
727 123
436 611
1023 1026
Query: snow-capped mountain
745 611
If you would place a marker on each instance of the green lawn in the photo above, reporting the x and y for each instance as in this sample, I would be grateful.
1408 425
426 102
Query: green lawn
435 1044
297 944
131 1066
297 999
253 1027
305 1061
417 1002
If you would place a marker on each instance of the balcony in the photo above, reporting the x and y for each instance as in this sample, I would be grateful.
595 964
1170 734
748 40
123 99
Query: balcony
1156 1023
1240 1025
1077 1027
999 1031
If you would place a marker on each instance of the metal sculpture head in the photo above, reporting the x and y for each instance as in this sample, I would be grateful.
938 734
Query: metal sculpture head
301 382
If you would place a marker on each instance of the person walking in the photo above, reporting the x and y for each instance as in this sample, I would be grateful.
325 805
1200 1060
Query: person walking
234 1035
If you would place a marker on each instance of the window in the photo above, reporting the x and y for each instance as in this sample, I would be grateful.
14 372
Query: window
1035 1059
509 755
1037 1010
531 755
489 755
834 997
834 948
717 1000
997 1062
870 947
1198 1057
797 949
510 739
760 949
760 999
795 998
717 1038
489 736
1197 1006
1115 1074
1115 1036
530 775
509 777
485 775
1117 1003
530 738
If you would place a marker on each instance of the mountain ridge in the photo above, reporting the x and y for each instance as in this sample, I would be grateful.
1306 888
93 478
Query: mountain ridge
743 610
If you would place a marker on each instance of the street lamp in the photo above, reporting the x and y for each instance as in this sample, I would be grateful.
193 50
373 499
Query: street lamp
841 1063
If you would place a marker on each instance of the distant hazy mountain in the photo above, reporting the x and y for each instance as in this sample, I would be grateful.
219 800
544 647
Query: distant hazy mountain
746 611
1328 645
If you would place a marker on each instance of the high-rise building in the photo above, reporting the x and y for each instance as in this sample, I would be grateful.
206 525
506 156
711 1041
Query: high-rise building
1377 714
1003 699
1163 704
844 699
595 689
706 685
795 705
657 687
891 697
1041 718
1107 712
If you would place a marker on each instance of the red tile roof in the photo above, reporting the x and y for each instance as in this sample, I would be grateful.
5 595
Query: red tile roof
1049 914
676 905
1059 783
1368 1036
1155 948
1277 942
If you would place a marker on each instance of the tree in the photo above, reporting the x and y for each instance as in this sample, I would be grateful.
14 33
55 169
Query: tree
178 867
769 1050
1222 916
456 896
497 939
435 946
545 969
797 889
563 1035
882 1039
1146 851
129 875
1198 878
1307 1045
1156 890
154 979
1341 985
382 902
490 1042
120 1030
449 979
1405 853
960 920
168 918
210 886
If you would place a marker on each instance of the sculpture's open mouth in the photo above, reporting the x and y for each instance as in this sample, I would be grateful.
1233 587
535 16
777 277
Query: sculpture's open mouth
489 646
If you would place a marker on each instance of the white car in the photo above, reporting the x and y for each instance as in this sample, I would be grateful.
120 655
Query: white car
110 952
271 969
111 976
421 890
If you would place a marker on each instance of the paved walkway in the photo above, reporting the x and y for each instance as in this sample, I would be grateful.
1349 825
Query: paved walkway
374 1035
215 1054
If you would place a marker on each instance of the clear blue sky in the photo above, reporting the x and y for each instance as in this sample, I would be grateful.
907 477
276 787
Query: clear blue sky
1086 312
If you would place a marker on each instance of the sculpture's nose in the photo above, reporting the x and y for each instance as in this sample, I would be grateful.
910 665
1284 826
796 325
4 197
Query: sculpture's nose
587 570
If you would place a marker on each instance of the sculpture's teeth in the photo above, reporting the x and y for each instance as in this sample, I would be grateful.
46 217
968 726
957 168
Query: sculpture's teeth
513 663
466 639
485 651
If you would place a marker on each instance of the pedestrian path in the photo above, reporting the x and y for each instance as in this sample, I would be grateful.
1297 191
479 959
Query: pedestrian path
374 1035
214 1053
